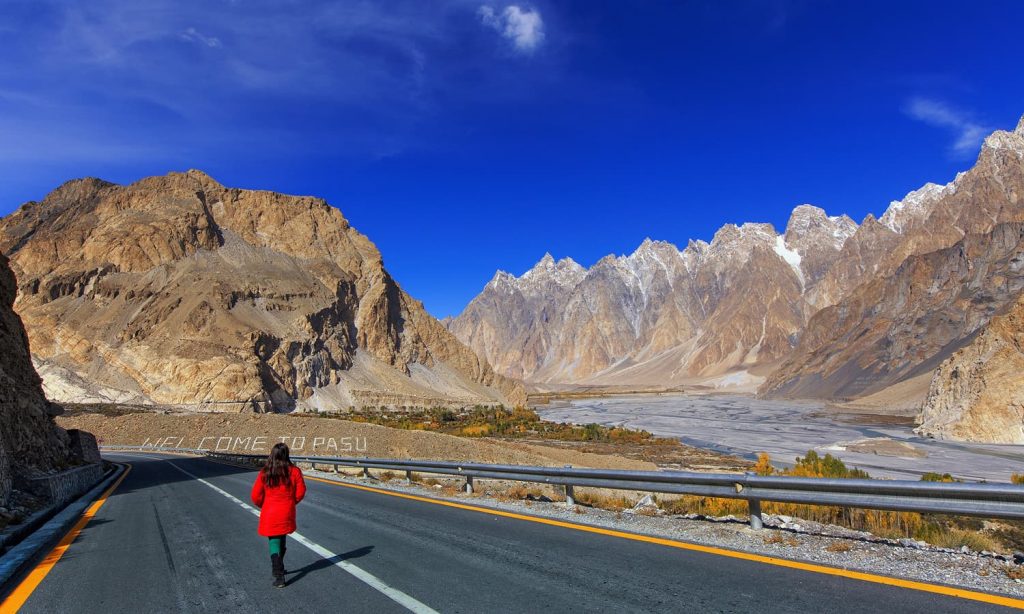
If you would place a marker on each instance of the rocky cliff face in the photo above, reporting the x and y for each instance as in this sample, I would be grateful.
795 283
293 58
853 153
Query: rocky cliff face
177 290
977 394
29 439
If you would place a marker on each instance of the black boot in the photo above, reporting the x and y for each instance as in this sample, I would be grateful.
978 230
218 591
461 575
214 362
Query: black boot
284 549
277 566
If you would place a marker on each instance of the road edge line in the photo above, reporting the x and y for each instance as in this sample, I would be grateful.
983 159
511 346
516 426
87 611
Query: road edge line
21 593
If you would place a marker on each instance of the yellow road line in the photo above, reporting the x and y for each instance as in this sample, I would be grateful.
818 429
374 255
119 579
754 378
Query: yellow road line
21 594
812 567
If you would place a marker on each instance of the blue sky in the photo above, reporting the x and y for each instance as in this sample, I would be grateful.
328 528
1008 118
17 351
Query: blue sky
469 136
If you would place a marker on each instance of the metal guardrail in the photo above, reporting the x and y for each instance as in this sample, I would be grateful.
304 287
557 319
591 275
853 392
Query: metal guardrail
983 500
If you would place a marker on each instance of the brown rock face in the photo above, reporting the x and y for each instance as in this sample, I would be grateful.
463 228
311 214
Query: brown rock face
29 439
176 290
894 328
977 394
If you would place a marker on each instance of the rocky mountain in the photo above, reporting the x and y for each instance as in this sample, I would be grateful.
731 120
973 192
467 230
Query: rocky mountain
29 438
950 260
977 394
827 309
176 290
661 315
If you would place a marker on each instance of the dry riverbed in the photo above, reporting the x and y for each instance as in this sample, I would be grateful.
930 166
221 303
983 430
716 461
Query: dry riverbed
883 445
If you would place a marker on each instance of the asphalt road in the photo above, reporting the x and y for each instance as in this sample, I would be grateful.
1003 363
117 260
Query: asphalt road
167 542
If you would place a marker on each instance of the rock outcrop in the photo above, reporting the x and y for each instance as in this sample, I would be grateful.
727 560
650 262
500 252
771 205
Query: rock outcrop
29 438
178 291
977 394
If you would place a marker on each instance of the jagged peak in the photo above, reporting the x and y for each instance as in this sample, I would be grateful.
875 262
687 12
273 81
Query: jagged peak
649 246
915 204
501 279
807 217
1009 141
563 272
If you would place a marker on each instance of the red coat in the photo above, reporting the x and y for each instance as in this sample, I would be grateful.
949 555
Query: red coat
277 504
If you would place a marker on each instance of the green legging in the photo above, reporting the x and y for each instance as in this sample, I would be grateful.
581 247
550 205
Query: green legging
277 544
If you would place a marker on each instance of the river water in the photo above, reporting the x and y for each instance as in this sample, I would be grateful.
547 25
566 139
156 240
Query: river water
744 426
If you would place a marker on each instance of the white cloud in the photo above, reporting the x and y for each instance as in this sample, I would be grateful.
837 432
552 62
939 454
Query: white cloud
968 134
194 36
524 27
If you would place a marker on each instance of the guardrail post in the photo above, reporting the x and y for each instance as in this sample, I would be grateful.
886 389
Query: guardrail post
366 472
337 468
469 484
756 522
408 476
570 497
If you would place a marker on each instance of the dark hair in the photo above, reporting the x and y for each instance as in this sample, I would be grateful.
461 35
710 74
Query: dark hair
277 468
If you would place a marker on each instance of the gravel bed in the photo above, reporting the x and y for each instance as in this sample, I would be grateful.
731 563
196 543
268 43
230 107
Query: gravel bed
782 537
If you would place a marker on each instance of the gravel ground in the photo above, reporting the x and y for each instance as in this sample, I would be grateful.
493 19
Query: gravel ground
783 537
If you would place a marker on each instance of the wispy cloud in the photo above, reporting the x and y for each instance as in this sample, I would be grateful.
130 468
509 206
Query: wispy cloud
194 36
968 133
375 74
524 27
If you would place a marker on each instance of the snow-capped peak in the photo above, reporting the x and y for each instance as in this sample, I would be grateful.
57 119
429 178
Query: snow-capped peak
564 272
546 262
650 248
916 204
1008 141
502 279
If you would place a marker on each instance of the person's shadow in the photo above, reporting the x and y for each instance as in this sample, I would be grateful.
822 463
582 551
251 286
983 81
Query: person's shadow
325 563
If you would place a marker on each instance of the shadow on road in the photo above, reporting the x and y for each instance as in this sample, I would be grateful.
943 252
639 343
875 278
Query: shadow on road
326 563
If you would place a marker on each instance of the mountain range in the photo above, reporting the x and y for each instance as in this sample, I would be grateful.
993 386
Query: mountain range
828 308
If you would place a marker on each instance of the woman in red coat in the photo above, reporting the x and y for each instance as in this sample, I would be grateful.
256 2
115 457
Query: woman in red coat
278 488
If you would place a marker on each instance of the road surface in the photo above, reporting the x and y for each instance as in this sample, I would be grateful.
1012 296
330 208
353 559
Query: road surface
176 536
